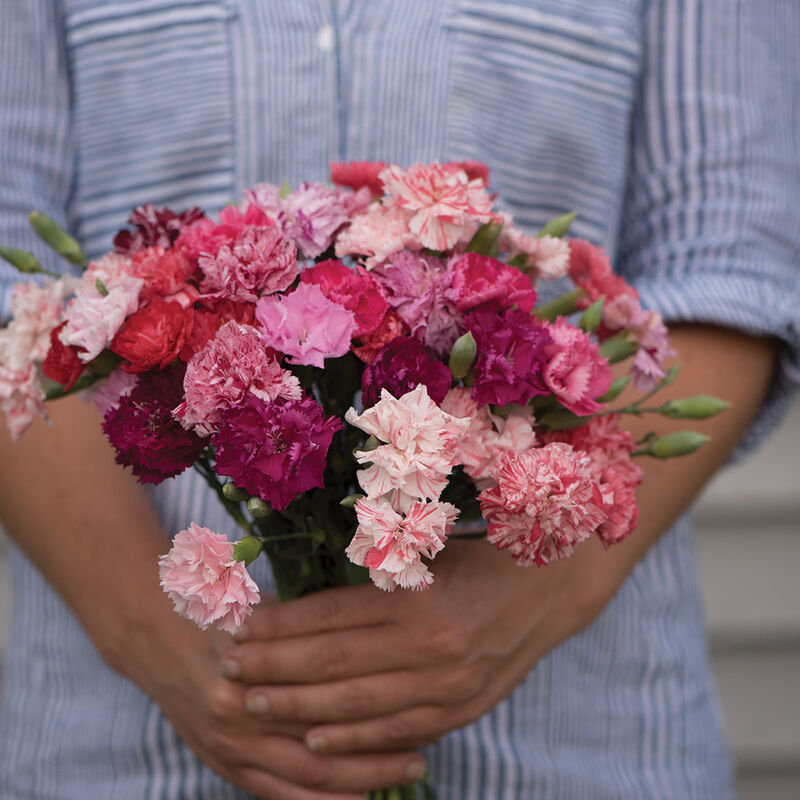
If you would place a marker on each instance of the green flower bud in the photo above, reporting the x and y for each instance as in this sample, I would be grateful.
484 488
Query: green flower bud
618 348
593 315
234 493
247 549
698 406
22 260
669 378
286 189
486 241
615 390
558 227
680 443
351 500
258 508
101 287
371 443
462 355
560 307
52 234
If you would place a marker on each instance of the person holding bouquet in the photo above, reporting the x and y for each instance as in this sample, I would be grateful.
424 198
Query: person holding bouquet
666 126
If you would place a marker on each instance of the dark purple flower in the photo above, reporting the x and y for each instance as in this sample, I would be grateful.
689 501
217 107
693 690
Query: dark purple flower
275 450
511 356
143 432
154 226
400 366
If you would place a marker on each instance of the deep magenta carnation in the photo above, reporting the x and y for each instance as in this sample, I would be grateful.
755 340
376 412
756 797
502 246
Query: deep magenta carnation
402 365
512 354
275 450
154 227
142 431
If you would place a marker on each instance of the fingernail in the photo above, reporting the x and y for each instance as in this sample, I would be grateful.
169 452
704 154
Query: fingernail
242 633
231 669
257 704
416 770
317 744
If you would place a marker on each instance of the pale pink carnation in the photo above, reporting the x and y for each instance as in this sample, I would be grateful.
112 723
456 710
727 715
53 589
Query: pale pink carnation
108 393
420 447
575 372
305 325
204 581
233 365
259 261
489 436
547 255
392 545
377 233
21 398
446 206
545 502
36 309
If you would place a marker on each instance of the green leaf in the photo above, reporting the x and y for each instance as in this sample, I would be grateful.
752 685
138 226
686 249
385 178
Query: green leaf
615 390
558 227
520 261
486 241
618 348
101 287
593 316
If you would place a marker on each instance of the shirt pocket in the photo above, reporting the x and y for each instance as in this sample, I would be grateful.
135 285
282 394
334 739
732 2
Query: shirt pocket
543 91
152 107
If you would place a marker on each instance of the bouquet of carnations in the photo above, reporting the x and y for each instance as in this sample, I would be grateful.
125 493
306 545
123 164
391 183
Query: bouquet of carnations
352 369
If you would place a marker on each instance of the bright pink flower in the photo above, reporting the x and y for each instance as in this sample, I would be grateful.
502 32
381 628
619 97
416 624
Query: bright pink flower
446 206
590 269
154 227
234 365
480 279
306 325
371 344
576 373
354 289
377 233
419 451
358 175
258 262
21 399
545 502
392 545
475 170
204 581
274 450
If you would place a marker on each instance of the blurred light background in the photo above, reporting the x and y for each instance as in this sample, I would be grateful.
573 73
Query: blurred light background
748 545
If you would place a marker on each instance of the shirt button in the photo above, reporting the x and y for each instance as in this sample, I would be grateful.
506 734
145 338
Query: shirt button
325 39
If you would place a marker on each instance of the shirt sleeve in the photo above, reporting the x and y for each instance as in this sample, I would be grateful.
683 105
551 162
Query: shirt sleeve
711 222
36 144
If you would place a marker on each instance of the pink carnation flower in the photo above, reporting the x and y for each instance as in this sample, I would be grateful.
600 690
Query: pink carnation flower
545 502
446 206
108 394
377 233
590 269
306 325
392 545
372 343
575 372
232 366
480 279
548 256
204 581
21 398
419 451
259 261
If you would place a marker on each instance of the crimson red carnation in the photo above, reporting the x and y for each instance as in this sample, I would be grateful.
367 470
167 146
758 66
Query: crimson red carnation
144 434
371 344
62 364
209 317
478 279
359 174
354 289
153 336
275 450
154 227
164 272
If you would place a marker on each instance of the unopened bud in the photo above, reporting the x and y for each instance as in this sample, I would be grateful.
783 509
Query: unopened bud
486 241
680 443
562 306
699 406
615 390
247 549
258 508
462 355
558 227
593 315
618 348
52 234
101 287
235 493
21 260
351 500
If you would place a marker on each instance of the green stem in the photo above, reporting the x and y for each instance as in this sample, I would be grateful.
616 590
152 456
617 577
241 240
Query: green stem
203 466
56 390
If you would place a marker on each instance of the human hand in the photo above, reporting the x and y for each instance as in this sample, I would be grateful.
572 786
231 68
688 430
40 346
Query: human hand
376 671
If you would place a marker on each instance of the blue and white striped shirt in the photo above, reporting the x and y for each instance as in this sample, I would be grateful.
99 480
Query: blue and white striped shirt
669 125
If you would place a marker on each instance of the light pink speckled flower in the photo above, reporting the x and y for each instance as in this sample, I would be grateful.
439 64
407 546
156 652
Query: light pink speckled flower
36 311
21 399
545 502
419 451
204 582
575 372
233 365
259 261
306 325
108 393
446 206
392 545
377 233
547 255
489 436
